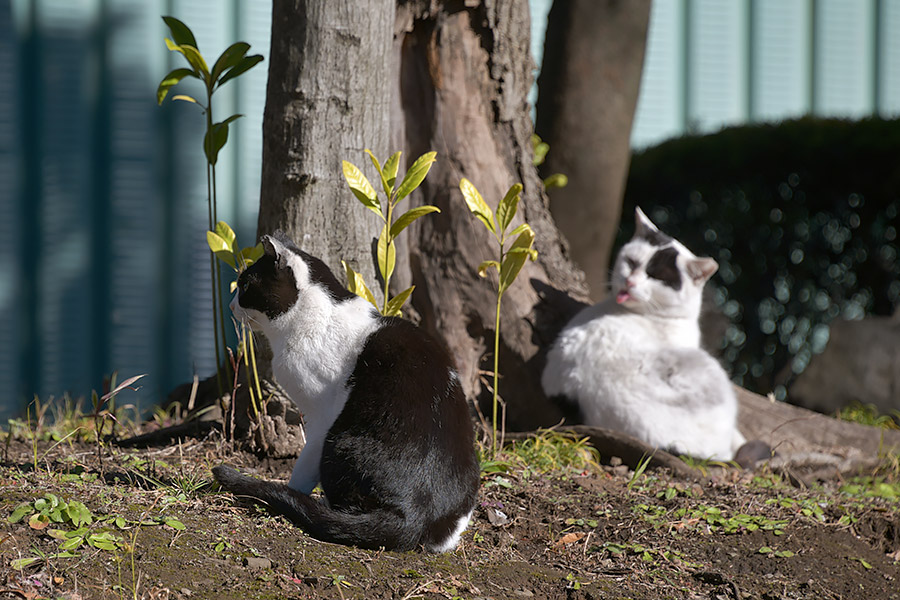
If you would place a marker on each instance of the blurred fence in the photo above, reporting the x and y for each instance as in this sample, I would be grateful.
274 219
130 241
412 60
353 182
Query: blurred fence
103 193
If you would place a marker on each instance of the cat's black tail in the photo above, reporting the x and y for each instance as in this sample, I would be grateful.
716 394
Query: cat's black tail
373 530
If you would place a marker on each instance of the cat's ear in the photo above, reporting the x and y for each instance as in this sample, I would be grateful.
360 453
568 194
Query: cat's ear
274 248
268 246
701 269
643 225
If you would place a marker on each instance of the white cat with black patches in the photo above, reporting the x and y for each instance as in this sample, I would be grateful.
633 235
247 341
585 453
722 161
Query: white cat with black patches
633 362
388 430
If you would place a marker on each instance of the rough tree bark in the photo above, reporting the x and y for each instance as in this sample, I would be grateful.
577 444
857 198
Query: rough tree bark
588 90
327 99
455 81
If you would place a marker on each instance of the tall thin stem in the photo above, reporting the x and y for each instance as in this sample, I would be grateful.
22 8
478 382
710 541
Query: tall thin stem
496 375
387 252
212 276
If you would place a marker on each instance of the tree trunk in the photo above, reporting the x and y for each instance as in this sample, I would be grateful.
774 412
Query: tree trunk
327 99
461 80
589 83
452 78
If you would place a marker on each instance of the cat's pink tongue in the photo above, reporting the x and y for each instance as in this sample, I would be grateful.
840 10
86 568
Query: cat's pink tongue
622 297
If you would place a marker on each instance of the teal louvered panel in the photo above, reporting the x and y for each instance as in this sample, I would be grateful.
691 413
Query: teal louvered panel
65 286
889 59
111 192
136 215
781 59
718 57
11 239
844 55
661 104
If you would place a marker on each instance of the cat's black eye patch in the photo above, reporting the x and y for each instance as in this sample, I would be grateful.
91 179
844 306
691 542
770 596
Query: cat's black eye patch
663 266
266 288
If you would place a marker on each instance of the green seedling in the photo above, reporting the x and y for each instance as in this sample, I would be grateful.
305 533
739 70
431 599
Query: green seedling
221 544
510 261
223 244
88 531
776 553
232 63
386 251
639 470
589 523
51 509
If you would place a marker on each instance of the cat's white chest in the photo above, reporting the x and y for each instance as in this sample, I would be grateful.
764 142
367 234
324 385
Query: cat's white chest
315 352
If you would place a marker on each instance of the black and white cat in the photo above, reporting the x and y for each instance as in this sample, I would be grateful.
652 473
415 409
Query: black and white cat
633 362
388 431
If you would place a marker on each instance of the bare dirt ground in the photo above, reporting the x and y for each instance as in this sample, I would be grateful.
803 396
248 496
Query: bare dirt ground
159 530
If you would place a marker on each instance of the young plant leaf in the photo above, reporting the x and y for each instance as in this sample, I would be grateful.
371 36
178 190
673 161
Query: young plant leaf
516 256
510 268
38 521
361 187
410 216
357 285
477 204
212 144
483 267
415 175
396 303
220 248
23 563
391 167
181 33
518 230
226 233
245 64
384 183
227 257
79 514
557 180
20 513
229 58
185 98
72 543
170 80
250 255
506 210
387 254
193 56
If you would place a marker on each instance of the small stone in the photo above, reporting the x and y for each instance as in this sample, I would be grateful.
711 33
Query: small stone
615 461
257 563
621 471
186 592
524 594
496 517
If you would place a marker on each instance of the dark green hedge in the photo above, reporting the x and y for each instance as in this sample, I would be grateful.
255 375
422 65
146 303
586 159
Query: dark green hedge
801 216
